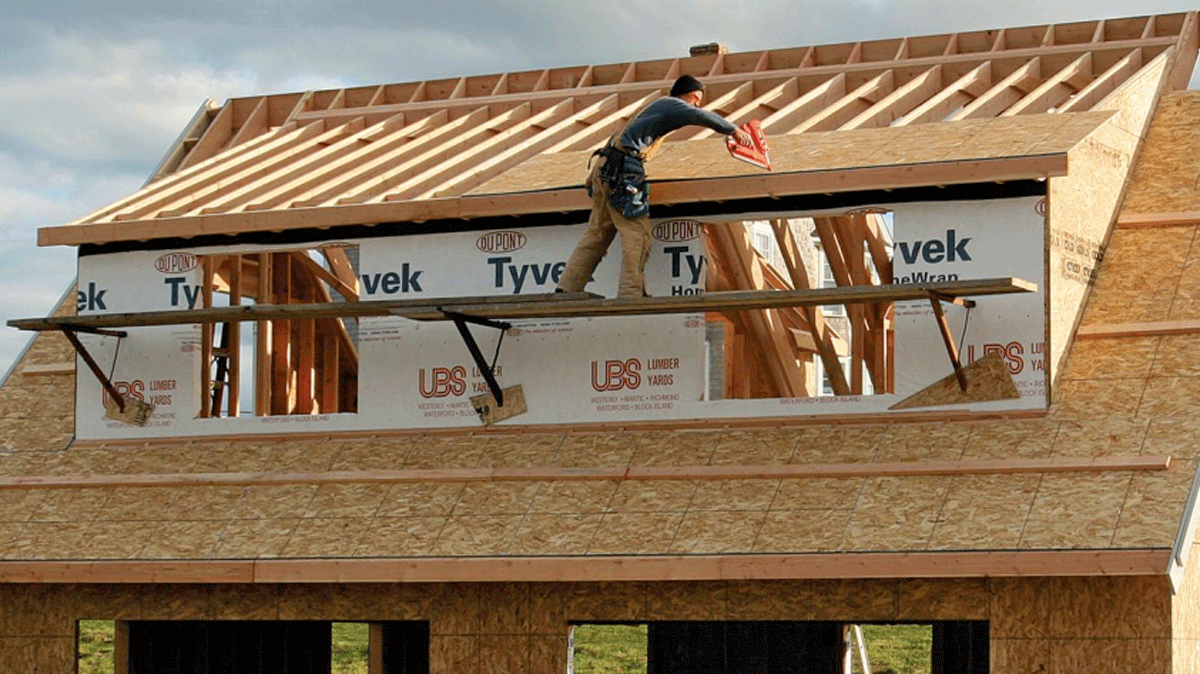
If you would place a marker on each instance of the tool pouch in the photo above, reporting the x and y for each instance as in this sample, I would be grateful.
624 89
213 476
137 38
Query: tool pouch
631 195
626 179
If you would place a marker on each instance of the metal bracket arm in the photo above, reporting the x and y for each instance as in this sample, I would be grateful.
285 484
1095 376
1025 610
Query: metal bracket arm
70 331
460 322
936 300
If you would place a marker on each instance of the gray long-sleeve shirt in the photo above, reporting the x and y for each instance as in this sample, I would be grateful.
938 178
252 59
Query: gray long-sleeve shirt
666 115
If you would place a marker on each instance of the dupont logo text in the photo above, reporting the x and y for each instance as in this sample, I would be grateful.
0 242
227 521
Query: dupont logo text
500 242
674 231
175 263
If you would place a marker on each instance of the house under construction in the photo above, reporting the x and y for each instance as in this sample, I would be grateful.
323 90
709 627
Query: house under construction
936 367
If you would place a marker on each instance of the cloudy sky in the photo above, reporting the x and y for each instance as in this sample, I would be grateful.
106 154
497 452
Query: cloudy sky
92 94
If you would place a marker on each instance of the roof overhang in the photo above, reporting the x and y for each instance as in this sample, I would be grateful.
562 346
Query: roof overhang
818 566
567 200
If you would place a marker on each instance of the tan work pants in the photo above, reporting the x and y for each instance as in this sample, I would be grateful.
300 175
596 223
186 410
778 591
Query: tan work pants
603 225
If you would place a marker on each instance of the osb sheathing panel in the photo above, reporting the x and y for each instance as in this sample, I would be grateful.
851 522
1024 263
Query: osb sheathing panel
1084 204
1104 437
796 515
37 411
1111 656
1016 136
984 507
523 627
1165 178
1153 511
896 514
1139 279
1185 604
1070 511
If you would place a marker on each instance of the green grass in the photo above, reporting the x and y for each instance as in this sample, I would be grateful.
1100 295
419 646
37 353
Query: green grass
96 646
610 649
350 648
897 649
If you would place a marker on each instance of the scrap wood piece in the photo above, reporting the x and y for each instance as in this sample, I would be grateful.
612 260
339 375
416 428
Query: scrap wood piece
128 410
490 411
987 379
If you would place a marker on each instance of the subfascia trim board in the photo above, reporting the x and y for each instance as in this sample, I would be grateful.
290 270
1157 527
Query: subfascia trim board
601 474
1147 329
1154 220
816 566
564 200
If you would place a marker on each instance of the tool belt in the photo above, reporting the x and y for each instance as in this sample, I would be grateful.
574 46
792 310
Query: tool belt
625 178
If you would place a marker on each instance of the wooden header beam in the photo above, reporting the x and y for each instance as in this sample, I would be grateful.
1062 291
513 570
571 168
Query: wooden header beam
835 566
1101 464
539 306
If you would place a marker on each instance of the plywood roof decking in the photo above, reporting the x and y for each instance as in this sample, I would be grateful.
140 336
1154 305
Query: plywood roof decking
1107 509
945 144
408 152
1164 180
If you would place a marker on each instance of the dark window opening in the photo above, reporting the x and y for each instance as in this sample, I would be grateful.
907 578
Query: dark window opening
780 647
252 647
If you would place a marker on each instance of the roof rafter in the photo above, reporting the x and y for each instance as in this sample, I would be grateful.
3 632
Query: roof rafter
407 175
1056 89
1003 94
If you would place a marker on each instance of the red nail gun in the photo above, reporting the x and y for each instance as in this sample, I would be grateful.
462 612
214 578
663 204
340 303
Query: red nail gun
757 152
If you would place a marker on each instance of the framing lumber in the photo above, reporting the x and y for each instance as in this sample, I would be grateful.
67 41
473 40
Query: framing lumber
958 93
208 265
831 566
262 338
234 329
281 369
406 150
338 157
1154 220
1056 89
1105 83
564 124
843 240
215 136
599 474
339 263
821 332
350 212
900 101
601 129
833 116
1148 329
48 369
335 281
398 178
785 119
1003 94
867 69
297 146
787 377
165 189
538 306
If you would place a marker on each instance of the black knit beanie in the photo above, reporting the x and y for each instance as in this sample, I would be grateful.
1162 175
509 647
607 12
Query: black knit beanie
686 84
